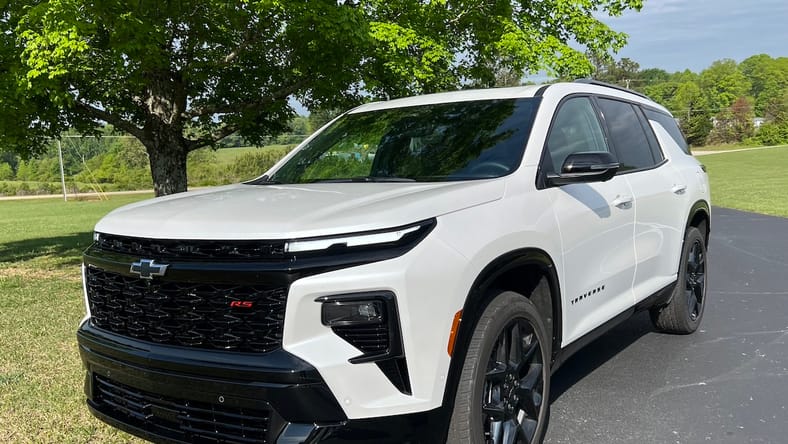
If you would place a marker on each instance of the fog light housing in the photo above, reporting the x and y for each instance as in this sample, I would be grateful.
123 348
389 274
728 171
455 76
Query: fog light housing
370 322
339 313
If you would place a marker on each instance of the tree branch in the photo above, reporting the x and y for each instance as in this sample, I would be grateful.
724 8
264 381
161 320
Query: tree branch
216 136
209 110
117 121
246 40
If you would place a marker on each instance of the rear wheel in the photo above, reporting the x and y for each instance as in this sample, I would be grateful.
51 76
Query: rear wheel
503 393
685 310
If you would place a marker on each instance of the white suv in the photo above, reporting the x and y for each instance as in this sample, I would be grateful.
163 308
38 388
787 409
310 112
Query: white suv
412 273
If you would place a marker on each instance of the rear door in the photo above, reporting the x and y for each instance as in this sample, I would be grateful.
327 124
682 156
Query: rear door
596 222
658 191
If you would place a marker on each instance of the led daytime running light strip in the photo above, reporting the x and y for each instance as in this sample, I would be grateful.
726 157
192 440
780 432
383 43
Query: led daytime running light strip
348 241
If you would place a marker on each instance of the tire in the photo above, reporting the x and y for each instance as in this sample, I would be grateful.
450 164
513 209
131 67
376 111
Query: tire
515 395
684 312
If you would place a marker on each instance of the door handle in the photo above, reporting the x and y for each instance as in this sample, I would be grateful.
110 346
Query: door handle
679 189
623 202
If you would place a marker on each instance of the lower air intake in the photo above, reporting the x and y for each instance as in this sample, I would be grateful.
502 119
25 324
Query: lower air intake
183 420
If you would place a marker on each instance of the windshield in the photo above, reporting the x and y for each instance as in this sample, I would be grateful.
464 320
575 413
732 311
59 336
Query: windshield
439 142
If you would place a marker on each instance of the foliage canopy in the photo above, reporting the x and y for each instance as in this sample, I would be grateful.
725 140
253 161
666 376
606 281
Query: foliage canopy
180 75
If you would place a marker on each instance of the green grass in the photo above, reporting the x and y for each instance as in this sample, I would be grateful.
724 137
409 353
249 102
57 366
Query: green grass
724 147
227 156
750 180
41 304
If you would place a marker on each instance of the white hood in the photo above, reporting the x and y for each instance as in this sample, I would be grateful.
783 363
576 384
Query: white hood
294 211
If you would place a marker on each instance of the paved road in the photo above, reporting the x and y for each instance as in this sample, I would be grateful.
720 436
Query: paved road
726 384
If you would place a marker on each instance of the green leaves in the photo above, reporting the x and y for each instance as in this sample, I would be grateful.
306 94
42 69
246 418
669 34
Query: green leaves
195 71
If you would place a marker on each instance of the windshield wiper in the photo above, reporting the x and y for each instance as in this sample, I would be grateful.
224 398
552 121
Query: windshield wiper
384 179
366 179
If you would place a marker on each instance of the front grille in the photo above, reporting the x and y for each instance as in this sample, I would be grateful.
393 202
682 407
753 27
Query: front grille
369 339
189 421
187 314
176 249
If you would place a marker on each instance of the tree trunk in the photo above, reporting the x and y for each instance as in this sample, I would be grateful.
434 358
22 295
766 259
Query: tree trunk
167 155
164 141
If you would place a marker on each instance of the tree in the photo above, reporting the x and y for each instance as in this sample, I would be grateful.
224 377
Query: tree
733 124
653 76
722 83
768 80
776 110
183 75
691 107
621 72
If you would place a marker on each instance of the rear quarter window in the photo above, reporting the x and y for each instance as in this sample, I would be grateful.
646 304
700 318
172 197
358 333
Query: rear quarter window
670 125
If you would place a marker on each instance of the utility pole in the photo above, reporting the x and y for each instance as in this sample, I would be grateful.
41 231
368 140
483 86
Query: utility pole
62 174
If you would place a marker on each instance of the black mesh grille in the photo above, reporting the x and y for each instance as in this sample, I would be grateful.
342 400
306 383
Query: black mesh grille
369 339
192 249
189 421
187 314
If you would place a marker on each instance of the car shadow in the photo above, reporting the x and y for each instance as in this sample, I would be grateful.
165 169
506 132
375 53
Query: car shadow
69 248
593 355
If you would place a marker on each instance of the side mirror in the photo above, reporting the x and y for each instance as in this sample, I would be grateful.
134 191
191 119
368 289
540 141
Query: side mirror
592 166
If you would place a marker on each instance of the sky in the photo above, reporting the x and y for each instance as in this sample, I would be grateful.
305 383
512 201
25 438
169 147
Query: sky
678 34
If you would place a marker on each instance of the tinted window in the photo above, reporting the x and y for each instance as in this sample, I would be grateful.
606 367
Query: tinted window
447 141
575 129
627 135
670 125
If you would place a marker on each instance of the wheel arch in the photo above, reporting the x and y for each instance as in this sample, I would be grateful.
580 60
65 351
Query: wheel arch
700 217
520 271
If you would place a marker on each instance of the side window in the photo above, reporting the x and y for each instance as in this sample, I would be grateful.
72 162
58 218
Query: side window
627 135
575 129
670 125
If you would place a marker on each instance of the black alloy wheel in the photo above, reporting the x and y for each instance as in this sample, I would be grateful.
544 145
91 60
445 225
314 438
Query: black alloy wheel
695 281
684 312
514 386
503 392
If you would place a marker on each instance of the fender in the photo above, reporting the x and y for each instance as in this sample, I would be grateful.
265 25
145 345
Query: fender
476 302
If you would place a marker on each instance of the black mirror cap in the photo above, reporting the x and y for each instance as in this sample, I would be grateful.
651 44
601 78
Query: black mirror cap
591 166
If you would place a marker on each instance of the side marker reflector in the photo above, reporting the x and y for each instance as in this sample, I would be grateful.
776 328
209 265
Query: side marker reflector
455 329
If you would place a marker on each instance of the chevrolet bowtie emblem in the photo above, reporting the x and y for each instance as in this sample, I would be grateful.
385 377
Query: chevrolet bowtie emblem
147 268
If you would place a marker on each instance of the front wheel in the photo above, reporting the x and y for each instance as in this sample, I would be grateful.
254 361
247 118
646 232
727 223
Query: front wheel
504 388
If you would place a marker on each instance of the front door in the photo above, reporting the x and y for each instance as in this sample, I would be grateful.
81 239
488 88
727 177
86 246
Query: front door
596 223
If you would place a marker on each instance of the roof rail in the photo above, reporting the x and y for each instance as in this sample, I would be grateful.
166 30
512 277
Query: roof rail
610 85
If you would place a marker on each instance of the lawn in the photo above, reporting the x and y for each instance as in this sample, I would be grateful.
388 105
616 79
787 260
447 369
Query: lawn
750 180
41 304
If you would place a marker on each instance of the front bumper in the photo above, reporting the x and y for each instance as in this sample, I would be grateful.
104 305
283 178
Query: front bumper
180 395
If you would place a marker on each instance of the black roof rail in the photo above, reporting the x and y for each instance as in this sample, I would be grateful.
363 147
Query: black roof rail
610 85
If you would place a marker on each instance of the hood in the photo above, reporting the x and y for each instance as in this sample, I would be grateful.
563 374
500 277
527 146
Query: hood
294 211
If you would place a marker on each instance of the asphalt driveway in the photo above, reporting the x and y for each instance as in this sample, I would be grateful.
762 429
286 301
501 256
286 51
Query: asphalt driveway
727 383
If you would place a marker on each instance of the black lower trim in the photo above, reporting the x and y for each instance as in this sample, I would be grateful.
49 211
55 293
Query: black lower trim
414 428
143 388
659 298
148 390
